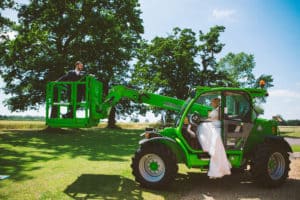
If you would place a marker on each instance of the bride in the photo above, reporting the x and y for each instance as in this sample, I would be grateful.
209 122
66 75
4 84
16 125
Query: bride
209 136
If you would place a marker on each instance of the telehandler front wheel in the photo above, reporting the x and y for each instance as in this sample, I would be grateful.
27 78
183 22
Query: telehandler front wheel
154 166
270 166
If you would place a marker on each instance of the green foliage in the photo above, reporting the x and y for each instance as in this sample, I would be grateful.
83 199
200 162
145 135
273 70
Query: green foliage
296 148
238 68
291 122
167 64
239 71
209 47
268 80
53 34
105 35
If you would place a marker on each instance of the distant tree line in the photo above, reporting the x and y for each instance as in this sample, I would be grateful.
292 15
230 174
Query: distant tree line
22 118
293 122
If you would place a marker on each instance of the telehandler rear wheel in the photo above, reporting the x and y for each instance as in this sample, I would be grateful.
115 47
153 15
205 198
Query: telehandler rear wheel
270 165
154 166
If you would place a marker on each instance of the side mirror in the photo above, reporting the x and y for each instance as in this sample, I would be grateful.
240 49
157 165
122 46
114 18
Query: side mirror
277 118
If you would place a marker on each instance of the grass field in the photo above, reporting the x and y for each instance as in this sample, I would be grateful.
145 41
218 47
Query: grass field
69 164
89 163
7 124
290 131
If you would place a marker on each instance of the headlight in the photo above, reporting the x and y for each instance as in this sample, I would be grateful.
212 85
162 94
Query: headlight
274 130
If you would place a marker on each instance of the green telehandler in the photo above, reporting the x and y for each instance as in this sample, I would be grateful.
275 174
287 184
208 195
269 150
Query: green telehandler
249 141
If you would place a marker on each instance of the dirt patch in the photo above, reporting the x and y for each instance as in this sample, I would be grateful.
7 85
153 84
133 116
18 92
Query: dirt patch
237 186
295 170
293 141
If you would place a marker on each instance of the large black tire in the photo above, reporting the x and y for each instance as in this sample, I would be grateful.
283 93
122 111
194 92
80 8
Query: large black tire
270 165
154 166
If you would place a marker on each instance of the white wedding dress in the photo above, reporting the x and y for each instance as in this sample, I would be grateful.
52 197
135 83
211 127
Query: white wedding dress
209 136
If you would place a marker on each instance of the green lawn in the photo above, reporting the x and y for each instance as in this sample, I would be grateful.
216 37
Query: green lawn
88 164
296 148
93 163
290 131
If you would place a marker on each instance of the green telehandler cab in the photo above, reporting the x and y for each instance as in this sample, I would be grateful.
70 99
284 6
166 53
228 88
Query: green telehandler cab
248 140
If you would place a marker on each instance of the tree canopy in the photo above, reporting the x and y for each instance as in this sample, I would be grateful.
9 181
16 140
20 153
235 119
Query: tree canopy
208 48
239 68
167 64
170 65
53 34
106 36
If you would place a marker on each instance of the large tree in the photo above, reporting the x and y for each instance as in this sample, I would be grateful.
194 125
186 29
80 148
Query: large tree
168 65
238 69
53 34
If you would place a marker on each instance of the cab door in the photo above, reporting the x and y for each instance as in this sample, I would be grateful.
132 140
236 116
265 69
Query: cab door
237 116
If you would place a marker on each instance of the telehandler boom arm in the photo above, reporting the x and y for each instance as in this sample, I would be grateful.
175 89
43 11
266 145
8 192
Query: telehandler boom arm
95 108
120 92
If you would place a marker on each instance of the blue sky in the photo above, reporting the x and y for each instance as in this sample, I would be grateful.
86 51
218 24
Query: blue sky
269 29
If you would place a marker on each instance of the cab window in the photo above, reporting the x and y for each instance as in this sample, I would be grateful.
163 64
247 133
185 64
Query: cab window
237 106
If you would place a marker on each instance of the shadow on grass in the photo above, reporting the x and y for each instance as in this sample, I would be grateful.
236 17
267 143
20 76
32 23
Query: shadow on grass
20 148
186 186
92 186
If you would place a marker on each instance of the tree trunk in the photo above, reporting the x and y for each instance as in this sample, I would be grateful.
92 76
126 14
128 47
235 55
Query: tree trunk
112 114
112 118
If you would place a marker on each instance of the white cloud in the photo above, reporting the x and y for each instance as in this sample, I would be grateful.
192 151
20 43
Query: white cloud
223 14
284 93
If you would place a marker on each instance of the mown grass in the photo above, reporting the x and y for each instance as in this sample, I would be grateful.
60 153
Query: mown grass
89 163
290 131
9 124
69 164
296 148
